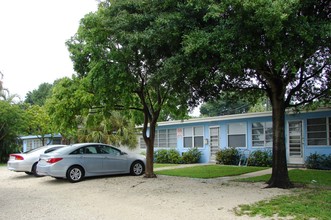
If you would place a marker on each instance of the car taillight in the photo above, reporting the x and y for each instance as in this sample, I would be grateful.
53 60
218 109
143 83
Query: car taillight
17 157
53 160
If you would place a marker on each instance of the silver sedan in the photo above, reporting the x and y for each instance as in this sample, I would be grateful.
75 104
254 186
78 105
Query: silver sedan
89 159
27 161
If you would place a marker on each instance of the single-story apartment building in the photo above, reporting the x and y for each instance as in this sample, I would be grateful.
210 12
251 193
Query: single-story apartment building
34 141
305 133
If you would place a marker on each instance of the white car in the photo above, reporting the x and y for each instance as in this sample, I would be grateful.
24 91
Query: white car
27 161
89 159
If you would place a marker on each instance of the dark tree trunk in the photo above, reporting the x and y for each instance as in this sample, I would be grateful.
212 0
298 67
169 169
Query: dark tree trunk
279 177
149 172
149 140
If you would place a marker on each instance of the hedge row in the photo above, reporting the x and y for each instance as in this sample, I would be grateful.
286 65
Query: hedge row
232 156
173 156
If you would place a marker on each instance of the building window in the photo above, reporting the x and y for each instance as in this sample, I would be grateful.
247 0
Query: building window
164 138
318 131
188 141
161 138
29 144
56 141
172 138
237 135
262 134
193 137
142 143
33 144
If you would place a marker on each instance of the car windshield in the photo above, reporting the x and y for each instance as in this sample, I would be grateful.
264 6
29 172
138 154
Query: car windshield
34 150
51 149
62 150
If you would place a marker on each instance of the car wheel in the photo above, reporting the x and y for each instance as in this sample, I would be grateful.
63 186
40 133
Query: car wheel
34 170
75 174
29 173
137 168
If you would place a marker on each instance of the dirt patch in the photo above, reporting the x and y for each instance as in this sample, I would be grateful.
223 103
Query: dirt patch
125 197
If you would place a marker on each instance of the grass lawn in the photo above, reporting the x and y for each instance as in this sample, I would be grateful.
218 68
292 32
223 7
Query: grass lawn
306 177
310 202
209 171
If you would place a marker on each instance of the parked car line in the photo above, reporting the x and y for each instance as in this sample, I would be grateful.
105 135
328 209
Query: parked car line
89 159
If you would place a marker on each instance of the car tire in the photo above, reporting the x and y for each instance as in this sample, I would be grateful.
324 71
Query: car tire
34 170
75 174
28 173
58 178
137 168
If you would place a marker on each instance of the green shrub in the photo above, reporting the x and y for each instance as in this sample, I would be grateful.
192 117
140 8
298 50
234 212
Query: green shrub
317 161
191 156
260 158
228 156
9 149
174 156
167 156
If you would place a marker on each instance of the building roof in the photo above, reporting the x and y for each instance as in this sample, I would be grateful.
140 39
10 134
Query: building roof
231 117
38 136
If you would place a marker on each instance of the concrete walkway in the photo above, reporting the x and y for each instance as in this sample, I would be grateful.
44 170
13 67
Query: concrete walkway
182 166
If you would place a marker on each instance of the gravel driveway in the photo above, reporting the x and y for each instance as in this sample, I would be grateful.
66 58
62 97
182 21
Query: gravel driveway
125 197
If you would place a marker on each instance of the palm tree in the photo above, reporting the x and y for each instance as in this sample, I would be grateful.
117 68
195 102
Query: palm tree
112 129
5 94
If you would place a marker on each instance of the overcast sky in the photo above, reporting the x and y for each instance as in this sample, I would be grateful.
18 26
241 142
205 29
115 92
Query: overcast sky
32 40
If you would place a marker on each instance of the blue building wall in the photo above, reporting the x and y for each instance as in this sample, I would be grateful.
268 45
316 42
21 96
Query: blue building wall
223 121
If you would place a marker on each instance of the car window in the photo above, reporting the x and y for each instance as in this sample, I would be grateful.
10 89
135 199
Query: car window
90 150
51 149
33 150
108 150
114 152
103 149
78 151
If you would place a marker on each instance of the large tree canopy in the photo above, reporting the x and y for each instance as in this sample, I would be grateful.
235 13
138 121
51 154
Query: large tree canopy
280 47
39 122
12 124
69 100
125 50
229 103
152 56
39 96
74 115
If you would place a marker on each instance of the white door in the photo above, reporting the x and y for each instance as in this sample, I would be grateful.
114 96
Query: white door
214 142
295 142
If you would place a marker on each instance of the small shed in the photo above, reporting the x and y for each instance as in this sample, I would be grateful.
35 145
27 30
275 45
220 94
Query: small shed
34 141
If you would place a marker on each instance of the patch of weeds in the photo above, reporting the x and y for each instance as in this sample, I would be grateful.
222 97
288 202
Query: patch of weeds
307 204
